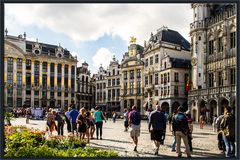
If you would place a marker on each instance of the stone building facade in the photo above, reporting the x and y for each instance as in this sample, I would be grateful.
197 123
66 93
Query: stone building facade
131 80
166 70
38 74
113 86
213 40
101 88
85 87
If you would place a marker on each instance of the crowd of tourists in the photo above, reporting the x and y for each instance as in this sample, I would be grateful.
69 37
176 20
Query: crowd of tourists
181 126
82 123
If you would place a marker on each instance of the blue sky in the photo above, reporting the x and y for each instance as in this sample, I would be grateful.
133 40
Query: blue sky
95 32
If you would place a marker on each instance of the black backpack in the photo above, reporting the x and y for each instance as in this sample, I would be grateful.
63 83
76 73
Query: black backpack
136 118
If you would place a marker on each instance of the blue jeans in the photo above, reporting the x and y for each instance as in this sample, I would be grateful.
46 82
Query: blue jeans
174 142
230 146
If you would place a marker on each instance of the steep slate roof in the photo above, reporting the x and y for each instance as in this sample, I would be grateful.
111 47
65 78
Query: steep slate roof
180 63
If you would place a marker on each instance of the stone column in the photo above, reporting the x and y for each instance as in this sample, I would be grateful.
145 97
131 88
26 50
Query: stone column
63 89
32 83
24 81
14 82
40 83
218 107
5 81
55 83
69 84
48 83
75 82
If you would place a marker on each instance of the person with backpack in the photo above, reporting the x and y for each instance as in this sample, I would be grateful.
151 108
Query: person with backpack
134 123
228 128
99 117
157 121
181 129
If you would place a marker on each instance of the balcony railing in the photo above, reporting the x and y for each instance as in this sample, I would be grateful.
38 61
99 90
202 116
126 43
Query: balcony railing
197 25
213 91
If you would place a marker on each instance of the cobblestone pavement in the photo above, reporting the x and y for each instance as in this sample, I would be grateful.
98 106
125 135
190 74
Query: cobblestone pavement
204 140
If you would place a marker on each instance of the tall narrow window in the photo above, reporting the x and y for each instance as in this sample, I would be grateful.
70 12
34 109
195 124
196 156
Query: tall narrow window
156 78
210 47
156 58
151 60
233 75
233 39
220 44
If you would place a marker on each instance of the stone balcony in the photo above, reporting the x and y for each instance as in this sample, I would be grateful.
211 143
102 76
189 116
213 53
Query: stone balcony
197 25
213 91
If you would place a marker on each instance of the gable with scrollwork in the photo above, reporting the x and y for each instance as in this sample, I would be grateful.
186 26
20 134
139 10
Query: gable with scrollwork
11 50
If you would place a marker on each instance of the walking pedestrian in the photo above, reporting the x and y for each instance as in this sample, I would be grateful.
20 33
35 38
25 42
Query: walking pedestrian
28 114
228 128
173 132
164 132
88 121
73 117
157 121
92 125
99 117
221 145
180 127
51 125
134 123
67 117
60 123
214 125
114 116
81 121
201 121
125 117
190 126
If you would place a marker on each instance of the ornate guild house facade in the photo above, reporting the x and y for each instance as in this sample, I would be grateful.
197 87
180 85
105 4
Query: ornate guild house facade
113 86
38 74
131 80
213 39
85 87
166 70
101 88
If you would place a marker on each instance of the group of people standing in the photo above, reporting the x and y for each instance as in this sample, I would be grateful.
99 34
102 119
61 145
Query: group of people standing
80 123
225 127
157 120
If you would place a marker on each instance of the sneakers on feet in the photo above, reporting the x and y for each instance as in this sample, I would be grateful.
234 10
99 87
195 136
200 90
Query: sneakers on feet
156 152
173 150
179 155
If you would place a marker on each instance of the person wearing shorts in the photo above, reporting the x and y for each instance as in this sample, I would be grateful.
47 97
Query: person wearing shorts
157 122
134 123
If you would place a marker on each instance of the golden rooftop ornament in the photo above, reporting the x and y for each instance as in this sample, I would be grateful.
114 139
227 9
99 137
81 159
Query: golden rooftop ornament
133 40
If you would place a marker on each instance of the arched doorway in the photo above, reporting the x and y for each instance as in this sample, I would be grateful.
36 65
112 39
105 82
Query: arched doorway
213 108
202 107
139 105
175 106
125 104
165 107
224 103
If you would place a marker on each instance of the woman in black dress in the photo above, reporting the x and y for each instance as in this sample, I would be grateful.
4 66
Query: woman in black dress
82 123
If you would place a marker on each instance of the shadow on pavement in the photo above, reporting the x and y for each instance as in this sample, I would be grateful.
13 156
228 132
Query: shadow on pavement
119 141
206 134
107 146
201 154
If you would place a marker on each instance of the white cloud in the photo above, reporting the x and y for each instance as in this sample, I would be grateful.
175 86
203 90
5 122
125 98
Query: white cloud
86 22
103 56
80 60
